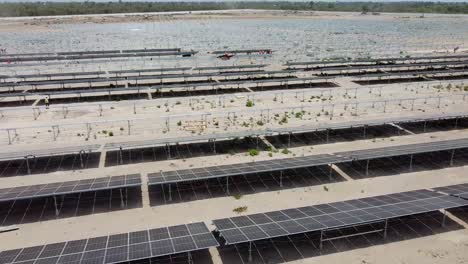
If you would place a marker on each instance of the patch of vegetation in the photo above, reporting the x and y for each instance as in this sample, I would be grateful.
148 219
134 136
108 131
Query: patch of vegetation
179 123
249 103
253 152
90 7
237 196
240 209
285 151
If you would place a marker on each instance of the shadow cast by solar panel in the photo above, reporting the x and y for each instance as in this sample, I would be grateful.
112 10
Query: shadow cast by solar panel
401 164
200 256
306 245
182 151
240 185
19 102
295 86
71 205
336 135
384 80
461 213
48 164
436 126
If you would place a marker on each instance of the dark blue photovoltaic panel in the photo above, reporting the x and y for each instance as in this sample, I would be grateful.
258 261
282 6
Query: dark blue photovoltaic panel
334 215
70 187
117 248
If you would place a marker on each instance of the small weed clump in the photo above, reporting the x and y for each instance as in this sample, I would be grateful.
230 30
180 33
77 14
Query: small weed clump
249 103
285 151
240 209
253 152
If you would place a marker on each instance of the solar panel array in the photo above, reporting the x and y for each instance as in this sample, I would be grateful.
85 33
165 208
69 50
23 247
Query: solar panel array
69 187
334 215
73 74
300 129
137 78
459 190
399 65
250 83
410 73
380 59
393 151
243 168
11 155
118 248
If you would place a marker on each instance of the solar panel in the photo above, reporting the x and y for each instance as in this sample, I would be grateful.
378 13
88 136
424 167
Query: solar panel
406 149
459 190
116 248
333 215
244 168
49 152
62 188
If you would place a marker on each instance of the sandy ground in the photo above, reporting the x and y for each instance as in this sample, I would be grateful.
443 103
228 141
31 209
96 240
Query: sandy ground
149 122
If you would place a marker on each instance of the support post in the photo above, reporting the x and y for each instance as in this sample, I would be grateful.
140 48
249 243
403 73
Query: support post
81 158
27 164
443 218
411 162
121 155
281 179
189 258
250 251
56 207
170 192
227 185
451 157
385 230
330 174
328 134
122 204
367 167
321 240
364 132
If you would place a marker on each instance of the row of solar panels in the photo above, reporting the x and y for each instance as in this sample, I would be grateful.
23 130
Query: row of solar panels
123 72
141 77
378 60
414 73
245 82
337 215
248 168
225 136
178 239
97 56
168 177
88 52
399 65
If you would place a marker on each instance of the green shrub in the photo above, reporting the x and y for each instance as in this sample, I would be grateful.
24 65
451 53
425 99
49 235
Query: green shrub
253 152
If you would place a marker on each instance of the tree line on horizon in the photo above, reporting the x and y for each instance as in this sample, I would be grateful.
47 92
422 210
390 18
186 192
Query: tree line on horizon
87 7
